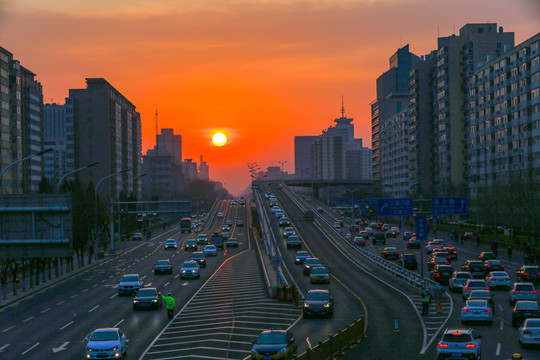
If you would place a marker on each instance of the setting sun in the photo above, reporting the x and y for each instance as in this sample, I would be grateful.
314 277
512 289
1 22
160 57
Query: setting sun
219 139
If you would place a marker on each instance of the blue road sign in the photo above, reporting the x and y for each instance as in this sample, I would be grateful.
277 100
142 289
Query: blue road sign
371 201
363 210
421 228
357 202
448 206
395 207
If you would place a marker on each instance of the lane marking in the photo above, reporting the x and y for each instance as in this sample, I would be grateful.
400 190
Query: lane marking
498 349
27 320
118 323
74 296
65 326
500 308
9 328
61 302
167 283
502 325
85 290
4 348
113 296
44 311
94 308
27 350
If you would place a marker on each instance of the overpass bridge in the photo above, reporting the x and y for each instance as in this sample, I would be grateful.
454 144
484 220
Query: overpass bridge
317 184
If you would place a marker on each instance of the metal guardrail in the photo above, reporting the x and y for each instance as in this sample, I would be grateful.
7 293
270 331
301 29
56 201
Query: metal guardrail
397 271
335 344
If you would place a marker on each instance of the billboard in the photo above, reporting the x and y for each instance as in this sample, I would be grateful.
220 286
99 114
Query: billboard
35 226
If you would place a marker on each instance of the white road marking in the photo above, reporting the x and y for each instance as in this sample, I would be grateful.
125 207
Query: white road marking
27 320
500 308
9 328
73 296
44 311
143 277
309 344
185 283
118 323
94 308
65 326
4 348
502 324
498 349
61 347
27 350
61 302
113 296
167 283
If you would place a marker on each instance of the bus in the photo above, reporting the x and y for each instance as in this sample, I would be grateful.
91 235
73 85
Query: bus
185 225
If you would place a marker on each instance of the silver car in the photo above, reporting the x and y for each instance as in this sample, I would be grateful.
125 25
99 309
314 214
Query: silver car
522 291
529 333
458 280
473 284
288 231
107 343
460 343
476 310
498 279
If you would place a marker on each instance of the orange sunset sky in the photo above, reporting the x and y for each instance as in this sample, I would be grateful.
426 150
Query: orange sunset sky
262 71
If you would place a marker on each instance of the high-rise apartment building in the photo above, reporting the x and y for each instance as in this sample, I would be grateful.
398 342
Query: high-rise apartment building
190 169
302 156
394 154
503 117
204 170
107 129
31 130
392 99
455 61
58 133
170 142
10 126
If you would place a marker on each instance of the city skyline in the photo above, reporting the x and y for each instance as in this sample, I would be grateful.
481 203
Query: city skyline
269 68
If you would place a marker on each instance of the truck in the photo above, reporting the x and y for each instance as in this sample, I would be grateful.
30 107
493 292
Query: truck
217 240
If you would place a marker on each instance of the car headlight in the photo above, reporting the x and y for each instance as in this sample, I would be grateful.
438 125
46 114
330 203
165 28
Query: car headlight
183 271
135 301
155 301
282 351
327 305
254 352
306 305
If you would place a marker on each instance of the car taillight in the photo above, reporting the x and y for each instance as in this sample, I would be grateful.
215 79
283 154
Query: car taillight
437 274
527 274
443 345
473 345
487 310
527 331
502 266
515 292
533 292
466 310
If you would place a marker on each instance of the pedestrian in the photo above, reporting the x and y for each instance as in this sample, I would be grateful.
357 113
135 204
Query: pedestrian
478 240
462 238
509 252
170 305
426 299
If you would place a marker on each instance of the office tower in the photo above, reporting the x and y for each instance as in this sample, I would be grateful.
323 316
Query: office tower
204 171
190 169
170 142
503 118
392 99
58 133
31 130
302 156
108 130
455 61
10 126
164 177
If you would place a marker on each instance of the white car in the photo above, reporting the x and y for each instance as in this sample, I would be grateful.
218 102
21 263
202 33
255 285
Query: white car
190 269
288 231
279 214
106 343
458 280
210 250
498 279
522 291
170 244
202 239
529 333
476 310
220 215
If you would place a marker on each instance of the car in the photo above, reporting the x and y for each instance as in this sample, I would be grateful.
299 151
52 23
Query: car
284 221
529 333
319 275
375 225
390 253
233 202
460 343
391 233
522 291
385 227
432 245
137 236
240 223
310 263
483 295
395 228
163 267
220 215
369 231
472 284
436 261
319 209
106 343
198 256
468 236
337 225
228 223
225 235
458 280
493 265
528 273
294 242
498 279
279 214
379 238
242 202
475 267
441 253
147 298
190 245
288 231
301 256
476 310
225 228
210 250
408 261
524 309
359 241
129 284
274 344
407 235
318 302
413 243
486 255
170 244
442 273
452 252
190 270
202 239
232 242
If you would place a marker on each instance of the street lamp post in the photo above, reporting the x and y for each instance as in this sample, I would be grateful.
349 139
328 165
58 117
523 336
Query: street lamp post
352 200
96 197
26 158
73 171
119 213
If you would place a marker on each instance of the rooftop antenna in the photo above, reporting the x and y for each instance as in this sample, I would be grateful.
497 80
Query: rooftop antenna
342 108
156 123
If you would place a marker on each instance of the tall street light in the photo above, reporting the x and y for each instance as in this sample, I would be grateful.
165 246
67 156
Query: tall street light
96 196
352 200
26 158
402 230
73 171
119 212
